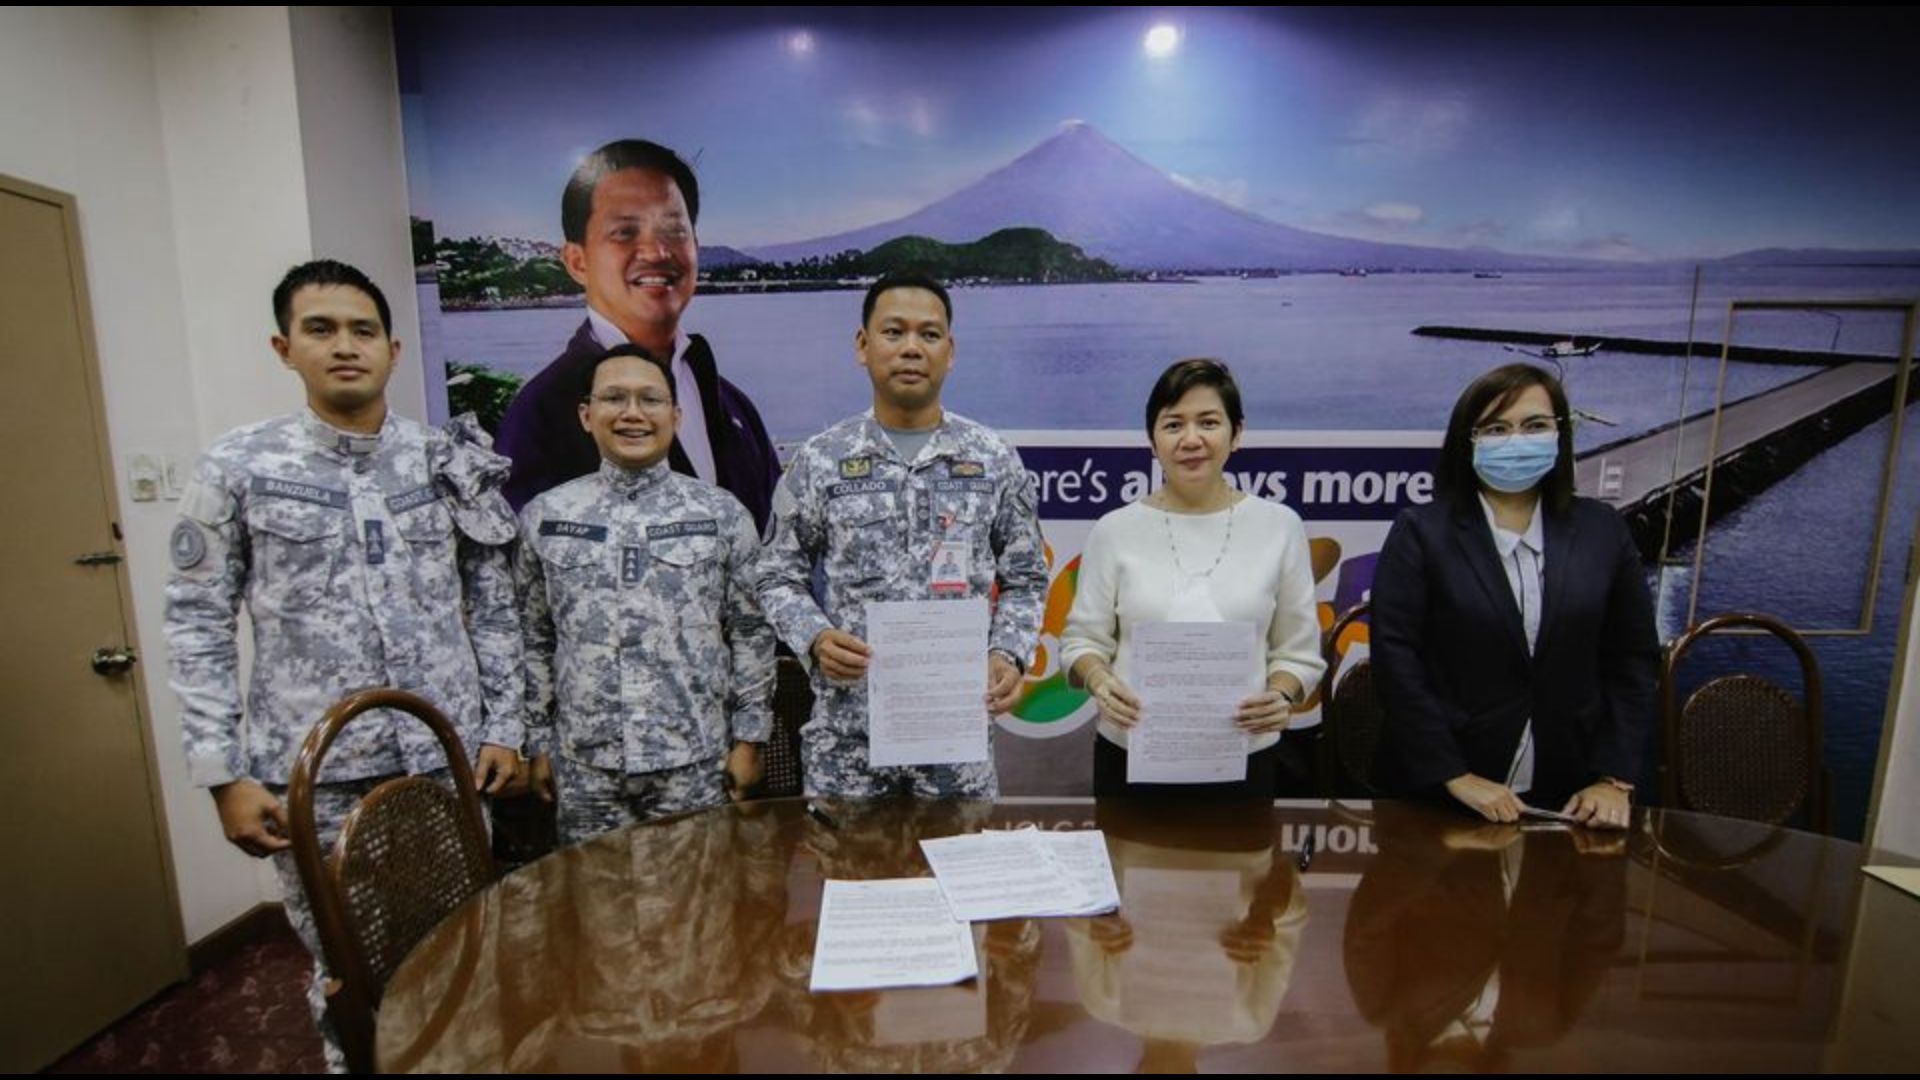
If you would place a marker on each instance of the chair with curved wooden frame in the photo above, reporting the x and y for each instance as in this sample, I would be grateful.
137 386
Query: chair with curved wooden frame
1740 745
411 852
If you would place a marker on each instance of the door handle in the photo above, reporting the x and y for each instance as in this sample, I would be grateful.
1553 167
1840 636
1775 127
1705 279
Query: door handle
108 661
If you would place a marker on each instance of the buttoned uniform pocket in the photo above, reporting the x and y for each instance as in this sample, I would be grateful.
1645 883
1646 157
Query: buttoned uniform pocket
432 550
690 569
297 551
581 588
865 540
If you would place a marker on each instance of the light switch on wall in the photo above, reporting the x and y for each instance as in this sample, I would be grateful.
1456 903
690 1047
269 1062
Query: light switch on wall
146 473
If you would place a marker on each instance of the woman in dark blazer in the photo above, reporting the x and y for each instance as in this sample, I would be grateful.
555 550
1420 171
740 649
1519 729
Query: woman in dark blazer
1512 633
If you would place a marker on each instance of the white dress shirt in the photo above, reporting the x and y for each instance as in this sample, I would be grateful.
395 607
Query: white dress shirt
1523 555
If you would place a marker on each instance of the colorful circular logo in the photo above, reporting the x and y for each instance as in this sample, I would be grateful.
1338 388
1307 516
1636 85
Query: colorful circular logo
1048 707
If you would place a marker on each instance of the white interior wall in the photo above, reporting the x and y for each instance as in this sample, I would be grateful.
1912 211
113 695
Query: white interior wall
200 179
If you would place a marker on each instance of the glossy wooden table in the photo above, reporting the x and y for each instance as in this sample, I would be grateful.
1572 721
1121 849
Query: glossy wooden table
1415 939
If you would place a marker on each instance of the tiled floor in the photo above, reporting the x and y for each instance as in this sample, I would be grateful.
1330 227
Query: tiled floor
246 1016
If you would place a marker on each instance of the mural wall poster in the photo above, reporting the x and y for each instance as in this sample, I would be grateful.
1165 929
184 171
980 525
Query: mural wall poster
1359 210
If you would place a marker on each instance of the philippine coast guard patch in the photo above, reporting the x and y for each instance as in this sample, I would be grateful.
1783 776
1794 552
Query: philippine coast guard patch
188 545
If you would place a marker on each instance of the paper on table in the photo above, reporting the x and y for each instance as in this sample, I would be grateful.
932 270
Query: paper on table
1003 874
1900 877
927 685
1083 853
1191 679
922 1014
877 934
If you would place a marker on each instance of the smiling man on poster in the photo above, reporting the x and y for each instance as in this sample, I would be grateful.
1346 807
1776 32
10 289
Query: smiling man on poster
628 214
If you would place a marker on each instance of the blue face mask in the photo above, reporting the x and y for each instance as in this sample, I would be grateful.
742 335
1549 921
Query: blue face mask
1518 463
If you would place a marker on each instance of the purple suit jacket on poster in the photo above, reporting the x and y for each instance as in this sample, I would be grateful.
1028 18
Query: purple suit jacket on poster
541 431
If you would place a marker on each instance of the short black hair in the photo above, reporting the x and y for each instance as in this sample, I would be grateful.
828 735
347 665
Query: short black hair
629 349
326 272
904 280
1493 392
576 202
1184 375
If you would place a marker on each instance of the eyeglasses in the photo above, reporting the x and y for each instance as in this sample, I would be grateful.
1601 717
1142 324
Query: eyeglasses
1499 431
618 400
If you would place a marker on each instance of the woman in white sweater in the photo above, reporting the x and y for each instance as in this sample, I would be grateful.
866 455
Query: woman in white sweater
1196 550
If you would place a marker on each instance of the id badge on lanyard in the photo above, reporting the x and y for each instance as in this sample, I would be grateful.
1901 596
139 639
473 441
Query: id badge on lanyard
952 554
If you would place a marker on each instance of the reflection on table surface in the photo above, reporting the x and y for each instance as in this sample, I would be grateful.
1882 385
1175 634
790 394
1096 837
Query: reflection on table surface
1415 939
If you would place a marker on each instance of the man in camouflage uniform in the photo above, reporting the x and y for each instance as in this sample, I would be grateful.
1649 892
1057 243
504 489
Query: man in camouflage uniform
649 665
369 550
890 504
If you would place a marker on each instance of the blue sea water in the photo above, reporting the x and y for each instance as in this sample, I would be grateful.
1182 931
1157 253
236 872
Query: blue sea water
1313 351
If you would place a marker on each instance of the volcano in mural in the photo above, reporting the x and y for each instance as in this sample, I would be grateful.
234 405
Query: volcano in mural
1088 190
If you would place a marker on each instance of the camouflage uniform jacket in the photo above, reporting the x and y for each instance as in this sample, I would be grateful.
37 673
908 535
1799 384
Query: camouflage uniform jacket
645 645
363 561
873 521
